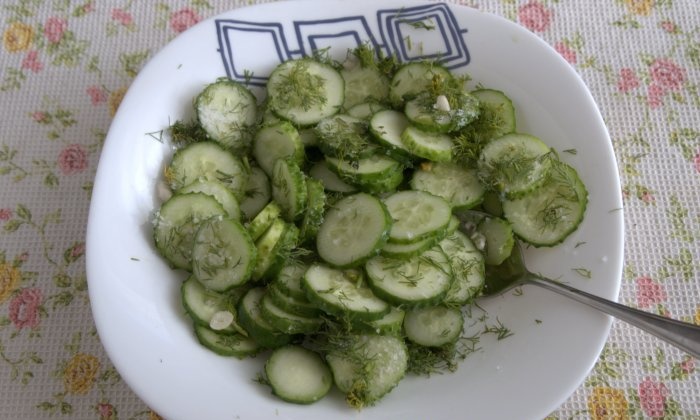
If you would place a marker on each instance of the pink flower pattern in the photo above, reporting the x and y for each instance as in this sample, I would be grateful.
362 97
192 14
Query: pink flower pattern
24 308
98 95
122 17
72 159
566 52
54 29
667 75
5 214
183 19
534 16
627 80
31 62
652 397
649 292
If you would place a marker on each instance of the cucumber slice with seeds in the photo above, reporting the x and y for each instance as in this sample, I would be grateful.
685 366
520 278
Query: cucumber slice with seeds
364 171
416 215
387 126
367 367
434 326
176 225
277 141
255 325
546 216
289 188
257 193
331 181
354 229
305 91
290 280
298 375
263 220
236 345
202 304
432 146
219 191
207 160
285 321
223 254
497 115
515 164
467 264
422 280
343 293
227 111
365 110
412 79
363 84
459 185
499 239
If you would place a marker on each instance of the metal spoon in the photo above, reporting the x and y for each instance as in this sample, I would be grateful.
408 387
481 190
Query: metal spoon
513 273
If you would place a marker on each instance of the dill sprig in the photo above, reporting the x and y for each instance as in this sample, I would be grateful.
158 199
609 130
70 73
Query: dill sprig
298 88
437 360
369 57
183 133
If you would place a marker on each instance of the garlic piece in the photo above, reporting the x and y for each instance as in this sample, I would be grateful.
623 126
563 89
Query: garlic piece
442 104
221 320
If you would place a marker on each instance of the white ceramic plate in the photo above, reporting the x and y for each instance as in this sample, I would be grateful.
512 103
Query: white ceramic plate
135 296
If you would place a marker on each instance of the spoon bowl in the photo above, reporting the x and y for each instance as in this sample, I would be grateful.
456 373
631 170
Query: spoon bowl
514 273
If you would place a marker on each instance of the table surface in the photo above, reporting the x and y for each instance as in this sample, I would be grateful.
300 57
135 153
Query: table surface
65 65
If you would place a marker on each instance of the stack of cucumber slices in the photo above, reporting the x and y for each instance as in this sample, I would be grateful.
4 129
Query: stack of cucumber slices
342 224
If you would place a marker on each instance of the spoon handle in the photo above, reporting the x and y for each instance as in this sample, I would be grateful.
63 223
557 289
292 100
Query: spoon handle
683 335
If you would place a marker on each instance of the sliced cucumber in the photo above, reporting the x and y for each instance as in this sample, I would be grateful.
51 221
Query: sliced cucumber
277 141
176 225
204 305
289 188
236 345
435 326
367 367
223 254
331 181
364 84
263 220
257 193
274 247
387 126
227 111
546 216
499 239
290 280
467 264
408 250
365 171
389 324
255 325
497 114
344 137
414 78
293 305
305 91
354 229
365 110
515 164
315 210
416 215
298 375
285 321
343 293
207 160
219 191
422 280
442 113
459 185
432 146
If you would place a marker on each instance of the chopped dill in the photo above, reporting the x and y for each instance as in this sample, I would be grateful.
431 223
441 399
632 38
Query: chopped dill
371 58
297 87
247 76
419 24
498 329
583 272
570 151
437 360
183 133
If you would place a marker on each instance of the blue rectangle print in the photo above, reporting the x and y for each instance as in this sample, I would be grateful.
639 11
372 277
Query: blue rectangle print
432 25
238 62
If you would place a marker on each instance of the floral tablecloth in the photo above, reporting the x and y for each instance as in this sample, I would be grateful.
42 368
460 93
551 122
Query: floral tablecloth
65 65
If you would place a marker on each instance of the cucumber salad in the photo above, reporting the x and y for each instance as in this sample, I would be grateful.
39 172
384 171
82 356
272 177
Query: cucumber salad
341 227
